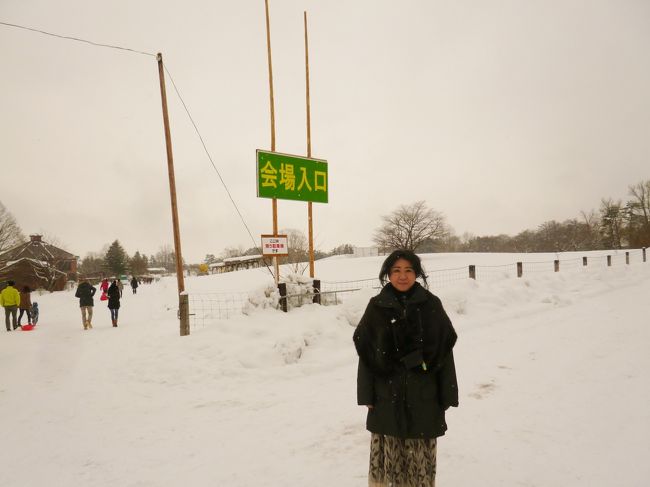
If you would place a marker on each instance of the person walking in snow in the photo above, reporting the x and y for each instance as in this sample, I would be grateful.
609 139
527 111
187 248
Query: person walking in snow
114 301
25 304
10 300
103 287
406 374
120 286
85 293
134 285
35 313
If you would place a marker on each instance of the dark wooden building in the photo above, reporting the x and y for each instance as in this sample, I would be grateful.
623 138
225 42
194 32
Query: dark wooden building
38 264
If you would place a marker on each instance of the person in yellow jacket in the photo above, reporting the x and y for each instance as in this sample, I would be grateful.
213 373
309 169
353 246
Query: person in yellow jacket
10 300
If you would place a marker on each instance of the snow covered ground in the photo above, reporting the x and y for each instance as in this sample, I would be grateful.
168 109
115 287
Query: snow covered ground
553 375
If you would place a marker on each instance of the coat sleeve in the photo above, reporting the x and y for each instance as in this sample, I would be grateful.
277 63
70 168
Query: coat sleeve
447 383
365 385
93 290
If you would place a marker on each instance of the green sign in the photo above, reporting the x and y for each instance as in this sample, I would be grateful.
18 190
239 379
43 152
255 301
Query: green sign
287 177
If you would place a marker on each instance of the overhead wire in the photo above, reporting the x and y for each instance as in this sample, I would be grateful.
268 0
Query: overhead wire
70 38
198 133
196 129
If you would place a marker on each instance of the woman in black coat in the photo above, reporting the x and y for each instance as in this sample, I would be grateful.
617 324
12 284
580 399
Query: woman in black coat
406 375
114 301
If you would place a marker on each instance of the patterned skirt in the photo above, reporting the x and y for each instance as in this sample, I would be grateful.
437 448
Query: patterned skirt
398 462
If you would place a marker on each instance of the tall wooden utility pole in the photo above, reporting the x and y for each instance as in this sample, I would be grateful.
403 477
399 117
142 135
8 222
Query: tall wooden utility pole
309 203
183 305
275 201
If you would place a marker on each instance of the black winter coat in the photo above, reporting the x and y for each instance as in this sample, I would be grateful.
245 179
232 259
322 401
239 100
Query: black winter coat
396 334
113 297
85 293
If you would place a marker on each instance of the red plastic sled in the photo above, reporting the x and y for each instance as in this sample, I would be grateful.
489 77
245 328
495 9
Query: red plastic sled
27 327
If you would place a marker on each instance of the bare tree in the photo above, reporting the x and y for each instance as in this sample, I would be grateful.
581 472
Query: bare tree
611 223
232 251
641 194
637 215
298 257
10 232
409 226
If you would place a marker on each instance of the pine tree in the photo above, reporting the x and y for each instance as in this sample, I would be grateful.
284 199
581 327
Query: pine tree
116 259
138 264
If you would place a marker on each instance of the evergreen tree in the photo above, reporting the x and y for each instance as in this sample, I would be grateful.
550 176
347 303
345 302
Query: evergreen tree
92 264
138 264
116 259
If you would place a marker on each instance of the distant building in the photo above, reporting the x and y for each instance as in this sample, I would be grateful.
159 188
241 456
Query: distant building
237 264
156 271
38 264
365 251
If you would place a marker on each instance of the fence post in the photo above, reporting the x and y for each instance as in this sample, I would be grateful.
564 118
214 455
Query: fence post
282 287
184 313
520 269
643 254
627 258
584 261
316 286
556 265
609 261
472 272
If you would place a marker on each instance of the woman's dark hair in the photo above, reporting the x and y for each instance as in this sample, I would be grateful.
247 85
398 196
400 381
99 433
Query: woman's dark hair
408 255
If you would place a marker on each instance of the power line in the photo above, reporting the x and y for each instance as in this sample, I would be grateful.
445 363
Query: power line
212 161
77 39
177 93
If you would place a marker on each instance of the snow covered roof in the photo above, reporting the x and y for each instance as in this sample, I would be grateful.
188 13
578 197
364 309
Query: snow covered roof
36 249
242 258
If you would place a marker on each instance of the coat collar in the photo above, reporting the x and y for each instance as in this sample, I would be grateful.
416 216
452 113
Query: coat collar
388 299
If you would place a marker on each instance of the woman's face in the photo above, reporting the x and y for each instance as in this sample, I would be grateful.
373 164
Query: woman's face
402 275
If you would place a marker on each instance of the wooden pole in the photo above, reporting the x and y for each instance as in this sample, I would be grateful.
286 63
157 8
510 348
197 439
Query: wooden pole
276 264
184 315
309 203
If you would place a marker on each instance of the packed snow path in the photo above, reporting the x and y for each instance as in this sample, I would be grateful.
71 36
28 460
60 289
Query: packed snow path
553 372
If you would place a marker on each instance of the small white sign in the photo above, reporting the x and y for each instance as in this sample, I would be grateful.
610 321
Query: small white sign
277 245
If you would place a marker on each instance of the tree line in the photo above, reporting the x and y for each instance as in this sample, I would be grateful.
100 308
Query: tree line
615 225
115 260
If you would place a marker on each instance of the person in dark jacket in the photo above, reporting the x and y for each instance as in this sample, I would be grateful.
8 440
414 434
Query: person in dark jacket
114 295
85 293
406 374
25 305
134 285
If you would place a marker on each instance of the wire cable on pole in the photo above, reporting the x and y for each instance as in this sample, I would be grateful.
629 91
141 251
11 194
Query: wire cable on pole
196 129
77 39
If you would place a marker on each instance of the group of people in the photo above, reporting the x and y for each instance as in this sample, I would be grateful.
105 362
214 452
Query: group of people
406 373
13 301
110 292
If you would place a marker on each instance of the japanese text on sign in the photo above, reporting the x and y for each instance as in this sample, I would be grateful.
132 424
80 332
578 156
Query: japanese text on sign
288 177
275 245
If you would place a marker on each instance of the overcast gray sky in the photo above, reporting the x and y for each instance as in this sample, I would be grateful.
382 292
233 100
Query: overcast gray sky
499 114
